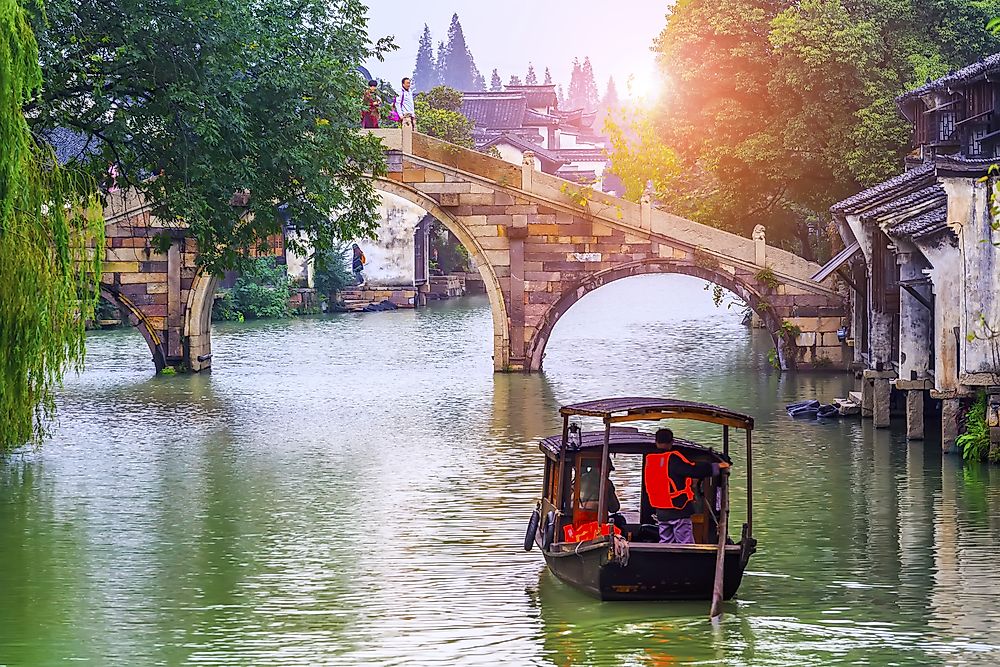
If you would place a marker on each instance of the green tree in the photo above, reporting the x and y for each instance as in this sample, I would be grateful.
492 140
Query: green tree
259 98
456 65
531 79
262 290
515 80
496 85
777 109
439 115
424 72
49 222
638 154
332 270
548 77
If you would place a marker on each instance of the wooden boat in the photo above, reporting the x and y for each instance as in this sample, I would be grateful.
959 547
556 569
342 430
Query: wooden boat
635 565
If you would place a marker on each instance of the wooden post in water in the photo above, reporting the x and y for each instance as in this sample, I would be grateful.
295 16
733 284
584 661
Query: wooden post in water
720 556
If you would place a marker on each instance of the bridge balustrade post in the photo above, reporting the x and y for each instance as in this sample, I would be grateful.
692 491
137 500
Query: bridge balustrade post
646 207
407 127
759 246
527 169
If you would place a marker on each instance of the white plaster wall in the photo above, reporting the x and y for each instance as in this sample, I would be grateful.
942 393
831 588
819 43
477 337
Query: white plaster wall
915 324
946 276
515 155
300 266
390 256
968 207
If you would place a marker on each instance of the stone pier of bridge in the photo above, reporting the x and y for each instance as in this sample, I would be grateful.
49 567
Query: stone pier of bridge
539 242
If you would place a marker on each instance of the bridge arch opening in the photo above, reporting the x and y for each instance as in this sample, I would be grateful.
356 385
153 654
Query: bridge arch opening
744 292
198 313
138 320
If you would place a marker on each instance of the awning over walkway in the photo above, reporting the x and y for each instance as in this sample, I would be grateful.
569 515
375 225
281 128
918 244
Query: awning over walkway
836 262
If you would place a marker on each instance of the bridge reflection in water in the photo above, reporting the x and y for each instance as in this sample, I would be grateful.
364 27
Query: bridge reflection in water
354 489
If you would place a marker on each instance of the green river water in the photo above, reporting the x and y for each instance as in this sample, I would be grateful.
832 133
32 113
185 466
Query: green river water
354 489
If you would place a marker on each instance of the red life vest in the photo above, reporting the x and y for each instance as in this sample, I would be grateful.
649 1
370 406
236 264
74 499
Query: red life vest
663 492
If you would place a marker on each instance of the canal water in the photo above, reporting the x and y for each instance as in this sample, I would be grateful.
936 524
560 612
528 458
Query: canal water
354 489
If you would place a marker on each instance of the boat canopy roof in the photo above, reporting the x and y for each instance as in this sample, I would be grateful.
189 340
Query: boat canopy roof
614 410
623 440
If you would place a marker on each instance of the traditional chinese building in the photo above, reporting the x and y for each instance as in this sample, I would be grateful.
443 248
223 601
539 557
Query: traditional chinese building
921 258
527 118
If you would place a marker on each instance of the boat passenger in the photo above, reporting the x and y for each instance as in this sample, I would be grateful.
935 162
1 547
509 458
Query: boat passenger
669 482
590 489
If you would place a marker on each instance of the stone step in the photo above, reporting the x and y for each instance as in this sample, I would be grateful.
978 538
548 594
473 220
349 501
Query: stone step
847 407
854 396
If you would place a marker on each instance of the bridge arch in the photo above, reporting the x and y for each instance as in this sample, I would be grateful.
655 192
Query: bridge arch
198 314
494 290
139 320
536 346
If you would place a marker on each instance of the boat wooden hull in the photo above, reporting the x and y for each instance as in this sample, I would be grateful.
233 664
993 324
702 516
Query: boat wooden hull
653 572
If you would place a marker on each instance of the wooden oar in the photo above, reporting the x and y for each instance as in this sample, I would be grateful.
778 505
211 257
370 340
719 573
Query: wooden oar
720 556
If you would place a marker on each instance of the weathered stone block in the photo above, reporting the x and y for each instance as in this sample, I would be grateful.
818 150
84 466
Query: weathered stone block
433 176
148 278
449 199
476 199
157 287
122 267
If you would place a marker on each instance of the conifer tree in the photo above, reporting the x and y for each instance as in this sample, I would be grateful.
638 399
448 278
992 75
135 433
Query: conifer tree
548 77
575 94
480 84
457 67
424 71
560 97
439 64
610 101
530 78
496 84
515 80
591 98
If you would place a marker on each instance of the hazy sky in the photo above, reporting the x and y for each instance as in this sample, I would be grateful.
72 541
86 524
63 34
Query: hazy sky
506 34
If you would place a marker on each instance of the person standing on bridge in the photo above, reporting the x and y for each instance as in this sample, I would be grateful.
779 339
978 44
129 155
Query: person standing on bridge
403 104
358 265
369 115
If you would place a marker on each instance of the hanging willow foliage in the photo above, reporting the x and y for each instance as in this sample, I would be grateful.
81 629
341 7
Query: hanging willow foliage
50 228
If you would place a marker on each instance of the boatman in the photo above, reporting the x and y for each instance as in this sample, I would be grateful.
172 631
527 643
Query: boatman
670 479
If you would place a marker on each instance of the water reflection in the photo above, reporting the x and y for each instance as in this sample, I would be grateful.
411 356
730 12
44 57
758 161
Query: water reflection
354 489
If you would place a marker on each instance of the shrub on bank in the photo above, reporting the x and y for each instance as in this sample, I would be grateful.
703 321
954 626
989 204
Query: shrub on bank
975 438
332 270
261 292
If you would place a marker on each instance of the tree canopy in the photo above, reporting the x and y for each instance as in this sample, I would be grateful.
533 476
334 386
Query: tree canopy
457 68
425 75
192 103
439 115
777 109
582 92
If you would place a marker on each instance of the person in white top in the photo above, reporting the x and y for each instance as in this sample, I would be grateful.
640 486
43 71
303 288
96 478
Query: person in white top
403 104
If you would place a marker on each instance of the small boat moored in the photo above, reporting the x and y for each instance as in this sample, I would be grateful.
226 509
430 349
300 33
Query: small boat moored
593 542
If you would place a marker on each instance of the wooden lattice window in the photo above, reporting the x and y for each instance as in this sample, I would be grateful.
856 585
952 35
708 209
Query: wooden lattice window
946 124
975 143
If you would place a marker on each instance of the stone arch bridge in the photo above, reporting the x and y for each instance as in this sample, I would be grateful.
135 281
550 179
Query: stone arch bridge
540 243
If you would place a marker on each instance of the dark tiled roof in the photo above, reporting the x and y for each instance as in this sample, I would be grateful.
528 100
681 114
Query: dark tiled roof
70 145
926 195
538 97
523 144
967 74
495 110
535 118
884 191
926 224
